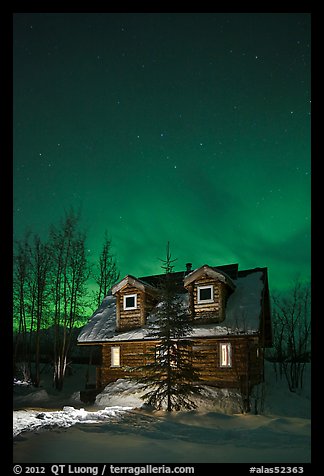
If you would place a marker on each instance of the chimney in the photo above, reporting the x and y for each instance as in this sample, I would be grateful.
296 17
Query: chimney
188 266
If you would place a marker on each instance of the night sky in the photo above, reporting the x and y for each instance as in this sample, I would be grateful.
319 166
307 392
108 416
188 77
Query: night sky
192 128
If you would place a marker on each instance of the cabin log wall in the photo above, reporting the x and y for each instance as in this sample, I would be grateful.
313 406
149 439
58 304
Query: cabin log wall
247 361
132 355
130 318
133 318
208 312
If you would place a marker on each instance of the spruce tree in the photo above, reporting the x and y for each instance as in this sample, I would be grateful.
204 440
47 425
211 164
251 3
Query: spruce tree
170 377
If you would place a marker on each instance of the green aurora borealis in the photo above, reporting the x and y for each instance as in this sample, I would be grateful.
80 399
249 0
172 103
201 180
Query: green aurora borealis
187 127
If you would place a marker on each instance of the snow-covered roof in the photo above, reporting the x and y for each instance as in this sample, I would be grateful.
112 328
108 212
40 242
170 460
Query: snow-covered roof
243 312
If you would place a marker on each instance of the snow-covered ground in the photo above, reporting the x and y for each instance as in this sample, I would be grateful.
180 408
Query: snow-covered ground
53 427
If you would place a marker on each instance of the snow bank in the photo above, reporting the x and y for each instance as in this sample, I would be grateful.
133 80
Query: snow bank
219 400
21 382
47 396
125 392
278 400
32 420
35 396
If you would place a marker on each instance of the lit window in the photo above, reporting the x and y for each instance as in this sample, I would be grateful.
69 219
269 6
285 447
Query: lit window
226 355
205 294
130 301
115 356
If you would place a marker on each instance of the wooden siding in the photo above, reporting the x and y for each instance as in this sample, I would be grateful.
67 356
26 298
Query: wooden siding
132 355
127 319
247 361
208 312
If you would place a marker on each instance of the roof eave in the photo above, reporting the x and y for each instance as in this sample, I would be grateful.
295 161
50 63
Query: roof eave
211 272
132 281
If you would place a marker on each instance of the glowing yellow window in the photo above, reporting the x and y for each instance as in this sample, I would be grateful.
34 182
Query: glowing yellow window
226 355
115 357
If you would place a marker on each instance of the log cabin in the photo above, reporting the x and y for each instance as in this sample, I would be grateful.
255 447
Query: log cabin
229 311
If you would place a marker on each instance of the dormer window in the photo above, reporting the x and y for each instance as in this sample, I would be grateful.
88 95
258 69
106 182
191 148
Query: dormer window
134 301
205 294
130 302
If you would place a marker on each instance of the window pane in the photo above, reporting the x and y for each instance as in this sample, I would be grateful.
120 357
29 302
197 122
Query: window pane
205 294
129 301
115 356
225 355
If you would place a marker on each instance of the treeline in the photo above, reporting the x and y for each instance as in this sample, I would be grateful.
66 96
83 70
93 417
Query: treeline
50 289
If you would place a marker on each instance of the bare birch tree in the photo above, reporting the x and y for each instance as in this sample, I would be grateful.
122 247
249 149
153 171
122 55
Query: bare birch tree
40 260
21 272
292 333
69 275
106 274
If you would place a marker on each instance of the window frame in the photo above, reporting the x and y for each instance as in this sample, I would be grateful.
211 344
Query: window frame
129 308
205 301
229 359
113 355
